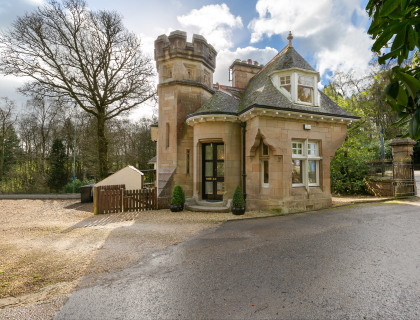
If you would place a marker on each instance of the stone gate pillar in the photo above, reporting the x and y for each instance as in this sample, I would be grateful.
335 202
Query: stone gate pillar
403 180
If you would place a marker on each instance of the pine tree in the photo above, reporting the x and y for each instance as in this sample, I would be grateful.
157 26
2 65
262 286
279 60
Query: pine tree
57 174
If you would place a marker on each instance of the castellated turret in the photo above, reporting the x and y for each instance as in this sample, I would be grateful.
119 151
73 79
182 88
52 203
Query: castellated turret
185 84
177 59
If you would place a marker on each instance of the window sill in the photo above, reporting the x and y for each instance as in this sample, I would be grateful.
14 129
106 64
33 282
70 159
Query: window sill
309 104
297 185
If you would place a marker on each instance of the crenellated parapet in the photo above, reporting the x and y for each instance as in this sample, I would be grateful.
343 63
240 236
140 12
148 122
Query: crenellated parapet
176 46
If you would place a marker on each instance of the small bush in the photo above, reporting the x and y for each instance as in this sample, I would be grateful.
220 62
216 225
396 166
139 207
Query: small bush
178 196
77 184
238 198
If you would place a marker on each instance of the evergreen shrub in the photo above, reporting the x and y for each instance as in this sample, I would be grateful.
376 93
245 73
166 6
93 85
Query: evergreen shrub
238 198
178 196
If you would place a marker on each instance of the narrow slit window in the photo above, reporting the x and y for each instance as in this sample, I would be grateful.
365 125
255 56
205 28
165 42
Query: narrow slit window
188 161
168 135
264 149
265 173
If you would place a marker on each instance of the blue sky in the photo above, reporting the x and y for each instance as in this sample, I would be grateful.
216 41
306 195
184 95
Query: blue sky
329 34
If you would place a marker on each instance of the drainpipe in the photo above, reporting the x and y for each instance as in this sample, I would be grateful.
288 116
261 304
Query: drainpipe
243 125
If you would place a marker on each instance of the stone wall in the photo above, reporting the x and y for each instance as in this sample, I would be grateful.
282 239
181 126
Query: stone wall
278 134
379 188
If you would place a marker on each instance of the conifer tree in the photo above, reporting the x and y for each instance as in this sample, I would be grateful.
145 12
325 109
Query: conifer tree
57 174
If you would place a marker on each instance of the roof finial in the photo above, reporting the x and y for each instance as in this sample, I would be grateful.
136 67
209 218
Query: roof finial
290 38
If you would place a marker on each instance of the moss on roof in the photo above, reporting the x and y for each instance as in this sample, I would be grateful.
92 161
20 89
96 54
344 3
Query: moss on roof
261 92
220 102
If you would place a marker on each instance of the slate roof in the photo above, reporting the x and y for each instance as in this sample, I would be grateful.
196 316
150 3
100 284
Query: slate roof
222 102
260 92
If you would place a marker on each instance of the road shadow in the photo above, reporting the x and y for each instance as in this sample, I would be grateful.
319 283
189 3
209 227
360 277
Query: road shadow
104 219
85 207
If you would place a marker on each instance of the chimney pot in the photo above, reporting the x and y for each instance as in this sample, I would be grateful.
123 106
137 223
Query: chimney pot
255 63
249 61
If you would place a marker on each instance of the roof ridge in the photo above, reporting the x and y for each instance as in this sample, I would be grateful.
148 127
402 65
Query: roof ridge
227 92
269 62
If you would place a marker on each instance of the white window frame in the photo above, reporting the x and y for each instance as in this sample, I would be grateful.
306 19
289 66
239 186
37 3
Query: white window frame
310 86
263 184
264 158
305 157
294 82
287 93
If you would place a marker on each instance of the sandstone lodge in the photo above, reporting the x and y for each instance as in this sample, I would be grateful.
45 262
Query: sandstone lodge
272 131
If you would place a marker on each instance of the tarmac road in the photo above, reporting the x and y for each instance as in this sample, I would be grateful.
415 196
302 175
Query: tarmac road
358 262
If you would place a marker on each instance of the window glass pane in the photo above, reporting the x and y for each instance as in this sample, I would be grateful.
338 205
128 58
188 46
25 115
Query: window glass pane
209 152
188 162
312 171
285 83
297 171
265 171
209 187
209 169
297 148
220 188
220 152
285 80
312 149
288 88
305 94
220 169
306 81
264 150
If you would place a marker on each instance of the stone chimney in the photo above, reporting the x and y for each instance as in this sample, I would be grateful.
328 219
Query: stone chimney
243 71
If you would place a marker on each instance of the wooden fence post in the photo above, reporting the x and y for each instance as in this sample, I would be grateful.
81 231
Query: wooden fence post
122 199
95 200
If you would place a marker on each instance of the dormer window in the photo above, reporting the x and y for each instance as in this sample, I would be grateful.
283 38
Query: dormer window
305 89
285 83
297 85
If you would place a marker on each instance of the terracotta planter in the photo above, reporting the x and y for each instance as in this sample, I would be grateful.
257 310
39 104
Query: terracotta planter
176 207
238 210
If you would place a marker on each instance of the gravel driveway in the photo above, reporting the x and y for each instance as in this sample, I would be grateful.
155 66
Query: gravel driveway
50 247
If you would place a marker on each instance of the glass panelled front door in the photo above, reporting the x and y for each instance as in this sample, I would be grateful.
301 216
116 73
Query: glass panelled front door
213 171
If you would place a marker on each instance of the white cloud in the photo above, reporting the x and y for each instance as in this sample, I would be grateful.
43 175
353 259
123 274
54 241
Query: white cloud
332 31
214 22
8 86
226 57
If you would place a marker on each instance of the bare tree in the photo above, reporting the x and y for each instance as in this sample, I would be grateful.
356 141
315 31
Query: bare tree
88 56
44 114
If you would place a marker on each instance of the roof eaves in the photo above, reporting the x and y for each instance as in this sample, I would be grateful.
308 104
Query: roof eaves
296 111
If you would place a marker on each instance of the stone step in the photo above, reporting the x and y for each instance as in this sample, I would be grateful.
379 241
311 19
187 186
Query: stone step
207 209
205 203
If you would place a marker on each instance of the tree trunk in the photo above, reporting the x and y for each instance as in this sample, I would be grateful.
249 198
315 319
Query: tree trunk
102 147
